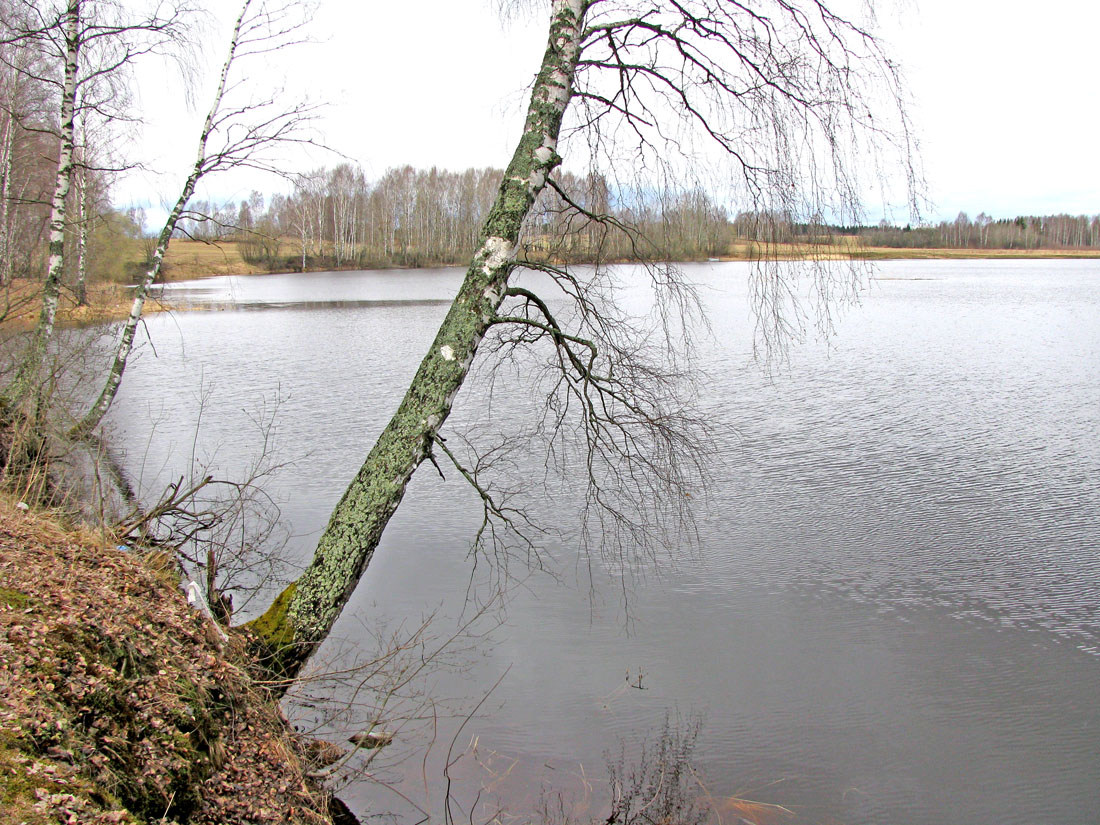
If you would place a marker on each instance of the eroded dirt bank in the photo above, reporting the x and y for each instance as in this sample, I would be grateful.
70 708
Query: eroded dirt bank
119 703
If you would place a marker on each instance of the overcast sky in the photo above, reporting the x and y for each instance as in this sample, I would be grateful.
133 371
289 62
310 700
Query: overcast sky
1005 97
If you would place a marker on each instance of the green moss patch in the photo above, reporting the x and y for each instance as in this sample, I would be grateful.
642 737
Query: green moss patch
14 599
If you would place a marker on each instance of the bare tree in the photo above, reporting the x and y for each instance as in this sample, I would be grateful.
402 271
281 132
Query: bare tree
28 139
84 218
20 97
31 363
95 42
781 92
234 134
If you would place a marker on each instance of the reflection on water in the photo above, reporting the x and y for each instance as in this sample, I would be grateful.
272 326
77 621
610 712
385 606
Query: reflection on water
241 305
894 614
334 288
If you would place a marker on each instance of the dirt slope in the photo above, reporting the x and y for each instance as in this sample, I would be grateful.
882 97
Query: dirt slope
121 704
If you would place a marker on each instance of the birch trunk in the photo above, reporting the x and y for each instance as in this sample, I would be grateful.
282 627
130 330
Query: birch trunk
303 227
7 148
29 373
82 245
126 342
305 612
7 167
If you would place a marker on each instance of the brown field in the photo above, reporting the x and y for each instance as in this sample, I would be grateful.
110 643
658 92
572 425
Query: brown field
891 253
847 246
194 259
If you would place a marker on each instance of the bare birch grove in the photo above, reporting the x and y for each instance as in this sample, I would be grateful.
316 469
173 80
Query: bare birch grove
27 375
83 47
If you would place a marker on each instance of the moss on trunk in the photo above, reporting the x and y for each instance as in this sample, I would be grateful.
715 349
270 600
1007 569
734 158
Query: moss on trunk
297 623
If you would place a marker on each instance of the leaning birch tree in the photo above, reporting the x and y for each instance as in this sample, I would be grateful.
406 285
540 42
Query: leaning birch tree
304 613
786 96
233 135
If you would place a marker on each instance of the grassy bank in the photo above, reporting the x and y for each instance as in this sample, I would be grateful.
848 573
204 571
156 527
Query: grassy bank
887 253
20 304
119 703
187 260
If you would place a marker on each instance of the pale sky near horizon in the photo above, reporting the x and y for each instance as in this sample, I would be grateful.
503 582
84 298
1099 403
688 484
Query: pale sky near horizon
1005 98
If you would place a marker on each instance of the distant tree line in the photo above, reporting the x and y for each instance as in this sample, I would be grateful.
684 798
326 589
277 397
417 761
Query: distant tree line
412 217
983 232
336 217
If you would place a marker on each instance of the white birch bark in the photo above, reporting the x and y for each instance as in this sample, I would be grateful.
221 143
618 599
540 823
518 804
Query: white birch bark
84 220
303 232
126 342
29 373
7 164
7 150
304 613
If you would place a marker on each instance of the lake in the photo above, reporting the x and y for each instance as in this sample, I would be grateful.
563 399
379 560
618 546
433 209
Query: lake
892 614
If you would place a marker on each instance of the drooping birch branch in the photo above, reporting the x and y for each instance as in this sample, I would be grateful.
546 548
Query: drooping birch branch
780 92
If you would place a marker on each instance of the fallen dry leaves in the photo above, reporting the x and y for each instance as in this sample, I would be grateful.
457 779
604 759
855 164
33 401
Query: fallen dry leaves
119 705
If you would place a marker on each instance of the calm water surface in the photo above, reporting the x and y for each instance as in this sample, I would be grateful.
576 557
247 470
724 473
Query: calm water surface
894 612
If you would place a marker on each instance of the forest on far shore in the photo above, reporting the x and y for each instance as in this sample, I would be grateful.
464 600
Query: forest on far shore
338 218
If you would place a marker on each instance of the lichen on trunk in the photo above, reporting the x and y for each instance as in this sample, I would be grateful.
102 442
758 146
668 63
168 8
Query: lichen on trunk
296 624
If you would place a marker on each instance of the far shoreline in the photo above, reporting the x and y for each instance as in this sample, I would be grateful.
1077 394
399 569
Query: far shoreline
191 260
109 302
